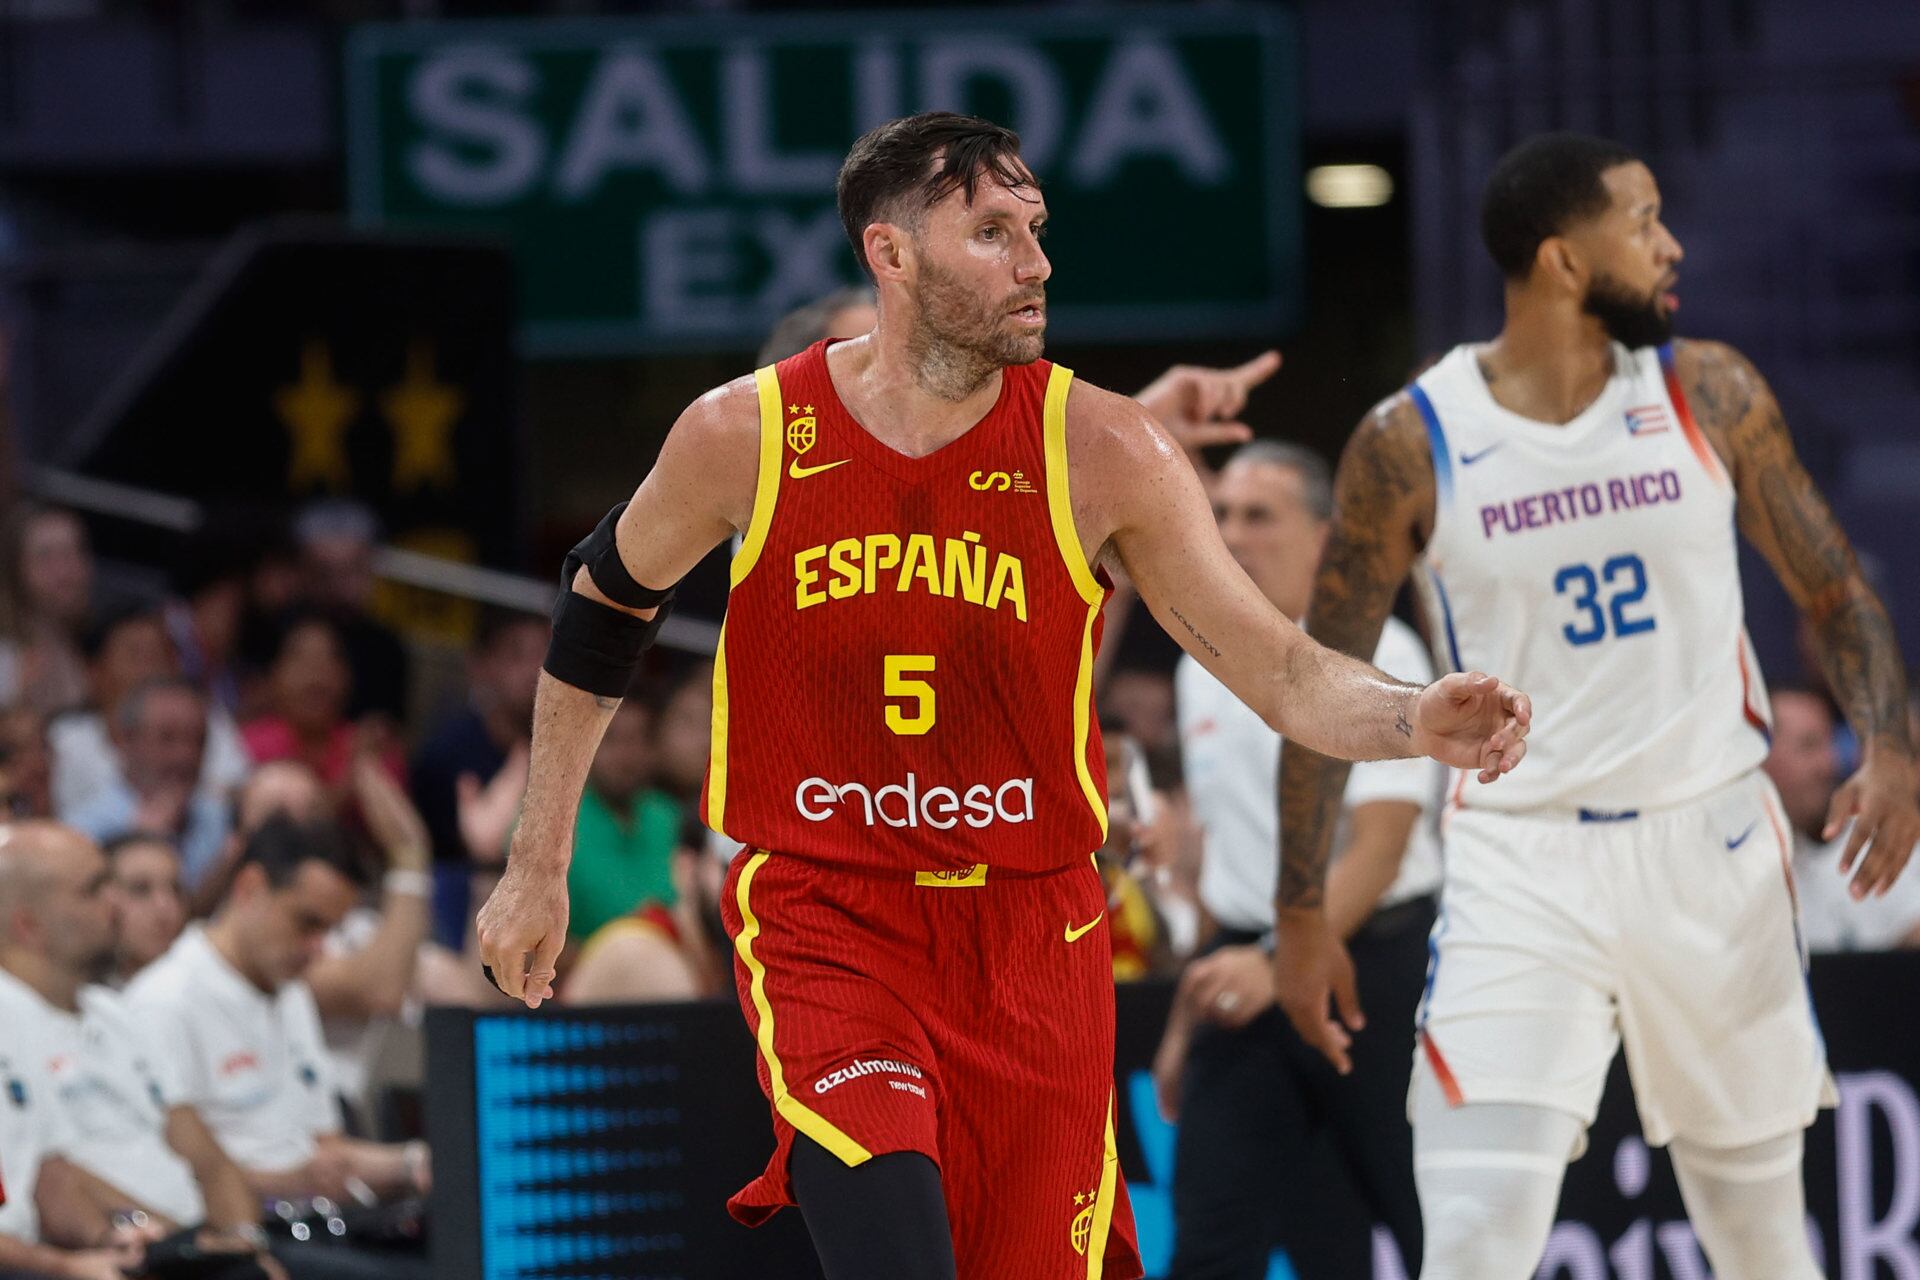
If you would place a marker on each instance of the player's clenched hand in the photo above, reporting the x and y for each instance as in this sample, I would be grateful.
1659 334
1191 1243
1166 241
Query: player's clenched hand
1472 721
1311 966
1879 799
521 930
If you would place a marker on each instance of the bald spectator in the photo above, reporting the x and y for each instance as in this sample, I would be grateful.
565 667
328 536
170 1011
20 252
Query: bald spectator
337 538
241 1032
126 649
1804 764
49 596
120 1108
161 727
150 902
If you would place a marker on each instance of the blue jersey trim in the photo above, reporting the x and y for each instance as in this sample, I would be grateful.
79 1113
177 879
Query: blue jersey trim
1446 618
1437 443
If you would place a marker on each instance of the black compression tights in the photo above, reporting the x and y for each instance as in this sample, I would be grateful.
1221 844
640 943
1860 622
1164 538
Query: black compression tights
885 1219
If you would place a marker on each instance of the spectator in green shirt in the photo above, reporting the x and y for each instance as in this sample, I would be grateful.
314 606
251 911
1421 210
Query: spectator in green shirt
624 840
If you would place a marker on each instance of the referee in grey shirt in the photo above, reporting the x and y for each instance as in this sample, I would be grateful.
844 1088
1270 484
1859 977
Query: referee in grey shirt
1257 1106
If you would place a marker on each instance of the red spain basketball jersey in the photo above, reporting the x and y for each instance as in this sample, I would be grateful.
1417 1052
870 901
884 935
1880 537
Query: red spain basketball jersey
905 677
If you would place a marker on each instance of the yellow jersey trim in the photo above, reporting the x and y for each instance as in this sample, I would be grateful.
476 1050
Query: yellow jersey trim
1082 721
795 1112
1103 1201
1067 537
1059 500
717 742
960 878
766 489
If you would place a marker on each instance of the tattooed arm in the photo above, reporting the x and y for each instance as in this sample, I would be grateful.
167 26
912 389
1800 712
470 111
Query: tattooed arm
1383 498
1133 491
1783 515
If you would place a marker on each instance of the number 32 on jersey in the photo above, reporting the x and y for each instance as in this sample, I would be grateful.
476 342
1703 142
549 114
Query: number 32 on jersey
1622 580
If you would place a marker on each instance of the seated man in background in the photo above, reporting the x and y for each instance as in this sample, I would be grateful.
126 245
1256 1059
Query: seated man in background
639 940
1257 1104
624 837
1803 760
124 650
161 729
150 903
363 982
96 1082
240 1031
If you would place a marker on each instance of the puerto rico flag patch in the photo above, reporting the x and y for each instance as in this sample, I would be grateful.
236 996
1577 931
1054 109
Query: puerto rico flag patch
1648 420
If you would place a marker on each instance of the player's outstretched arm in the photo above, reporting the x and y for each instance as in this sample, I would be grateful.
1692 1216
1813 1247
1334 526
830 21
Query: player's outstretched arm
1133 489
1783 515
1382 507
700 490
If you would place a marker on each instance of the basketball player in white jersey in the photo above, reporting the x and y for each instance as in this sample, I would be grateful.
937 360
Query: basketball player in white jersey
1565 497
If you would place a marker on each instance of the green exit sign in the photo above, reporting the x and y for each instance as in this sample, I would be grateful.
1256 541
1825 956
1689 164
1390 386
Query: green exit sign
670 183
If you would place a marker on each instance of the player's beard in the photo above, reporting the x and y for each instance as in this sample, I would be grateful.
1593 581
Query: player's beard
1631 320
962 339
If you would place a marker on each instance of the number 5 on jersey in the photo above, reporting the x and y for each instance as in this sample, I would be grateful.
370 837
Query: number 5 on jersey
899 667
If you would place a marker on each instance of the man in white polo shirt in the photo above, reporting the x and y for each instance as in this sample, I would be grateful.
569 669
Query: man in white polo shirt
242 1035
108 1077
1253 1100
35 1132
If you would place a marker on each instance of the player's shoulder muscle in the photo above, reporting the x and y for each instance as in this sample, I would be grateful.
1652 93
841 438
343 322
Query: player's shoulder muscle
1730 401
715 445
1385 475
1115 449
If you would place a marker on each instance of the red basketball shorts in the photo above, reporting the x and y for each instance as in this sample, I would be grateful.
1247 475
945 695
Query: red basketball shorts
966 1016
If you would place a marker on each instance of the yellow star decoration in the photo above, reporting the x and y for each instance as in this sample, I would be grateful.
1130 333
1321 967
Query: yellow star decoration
422 412
317 410
1078 1198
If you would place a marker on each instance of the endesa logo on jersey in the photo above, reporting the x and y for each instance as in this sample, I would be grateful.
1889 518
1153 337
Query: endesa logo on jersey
904 804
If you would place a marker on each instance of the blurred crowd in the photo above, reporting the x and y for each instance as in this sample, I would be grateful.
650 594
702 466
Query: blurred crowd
244 846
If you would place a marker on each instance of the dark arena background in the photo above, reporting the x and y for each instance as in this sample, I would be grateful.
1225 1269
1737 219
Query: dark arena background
369 309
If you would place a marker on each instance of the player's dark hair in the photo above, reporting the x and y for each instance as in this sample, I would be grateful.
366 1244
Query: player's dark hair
1539 189
281 846
893 165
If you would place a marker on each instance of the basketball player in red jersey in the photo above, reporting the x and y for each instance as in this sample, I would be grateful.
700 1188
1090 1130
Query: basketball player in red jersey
903 730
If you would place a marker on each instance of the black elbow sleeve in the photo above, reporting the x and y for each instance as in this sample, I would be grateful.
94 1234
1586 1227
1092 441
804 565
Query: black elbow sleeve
597 647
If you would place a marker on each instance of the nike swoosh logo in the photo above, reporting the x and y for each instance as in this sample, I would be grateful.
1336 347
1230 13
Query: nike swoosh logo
799 472
1074 935
1741 839
1468 459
